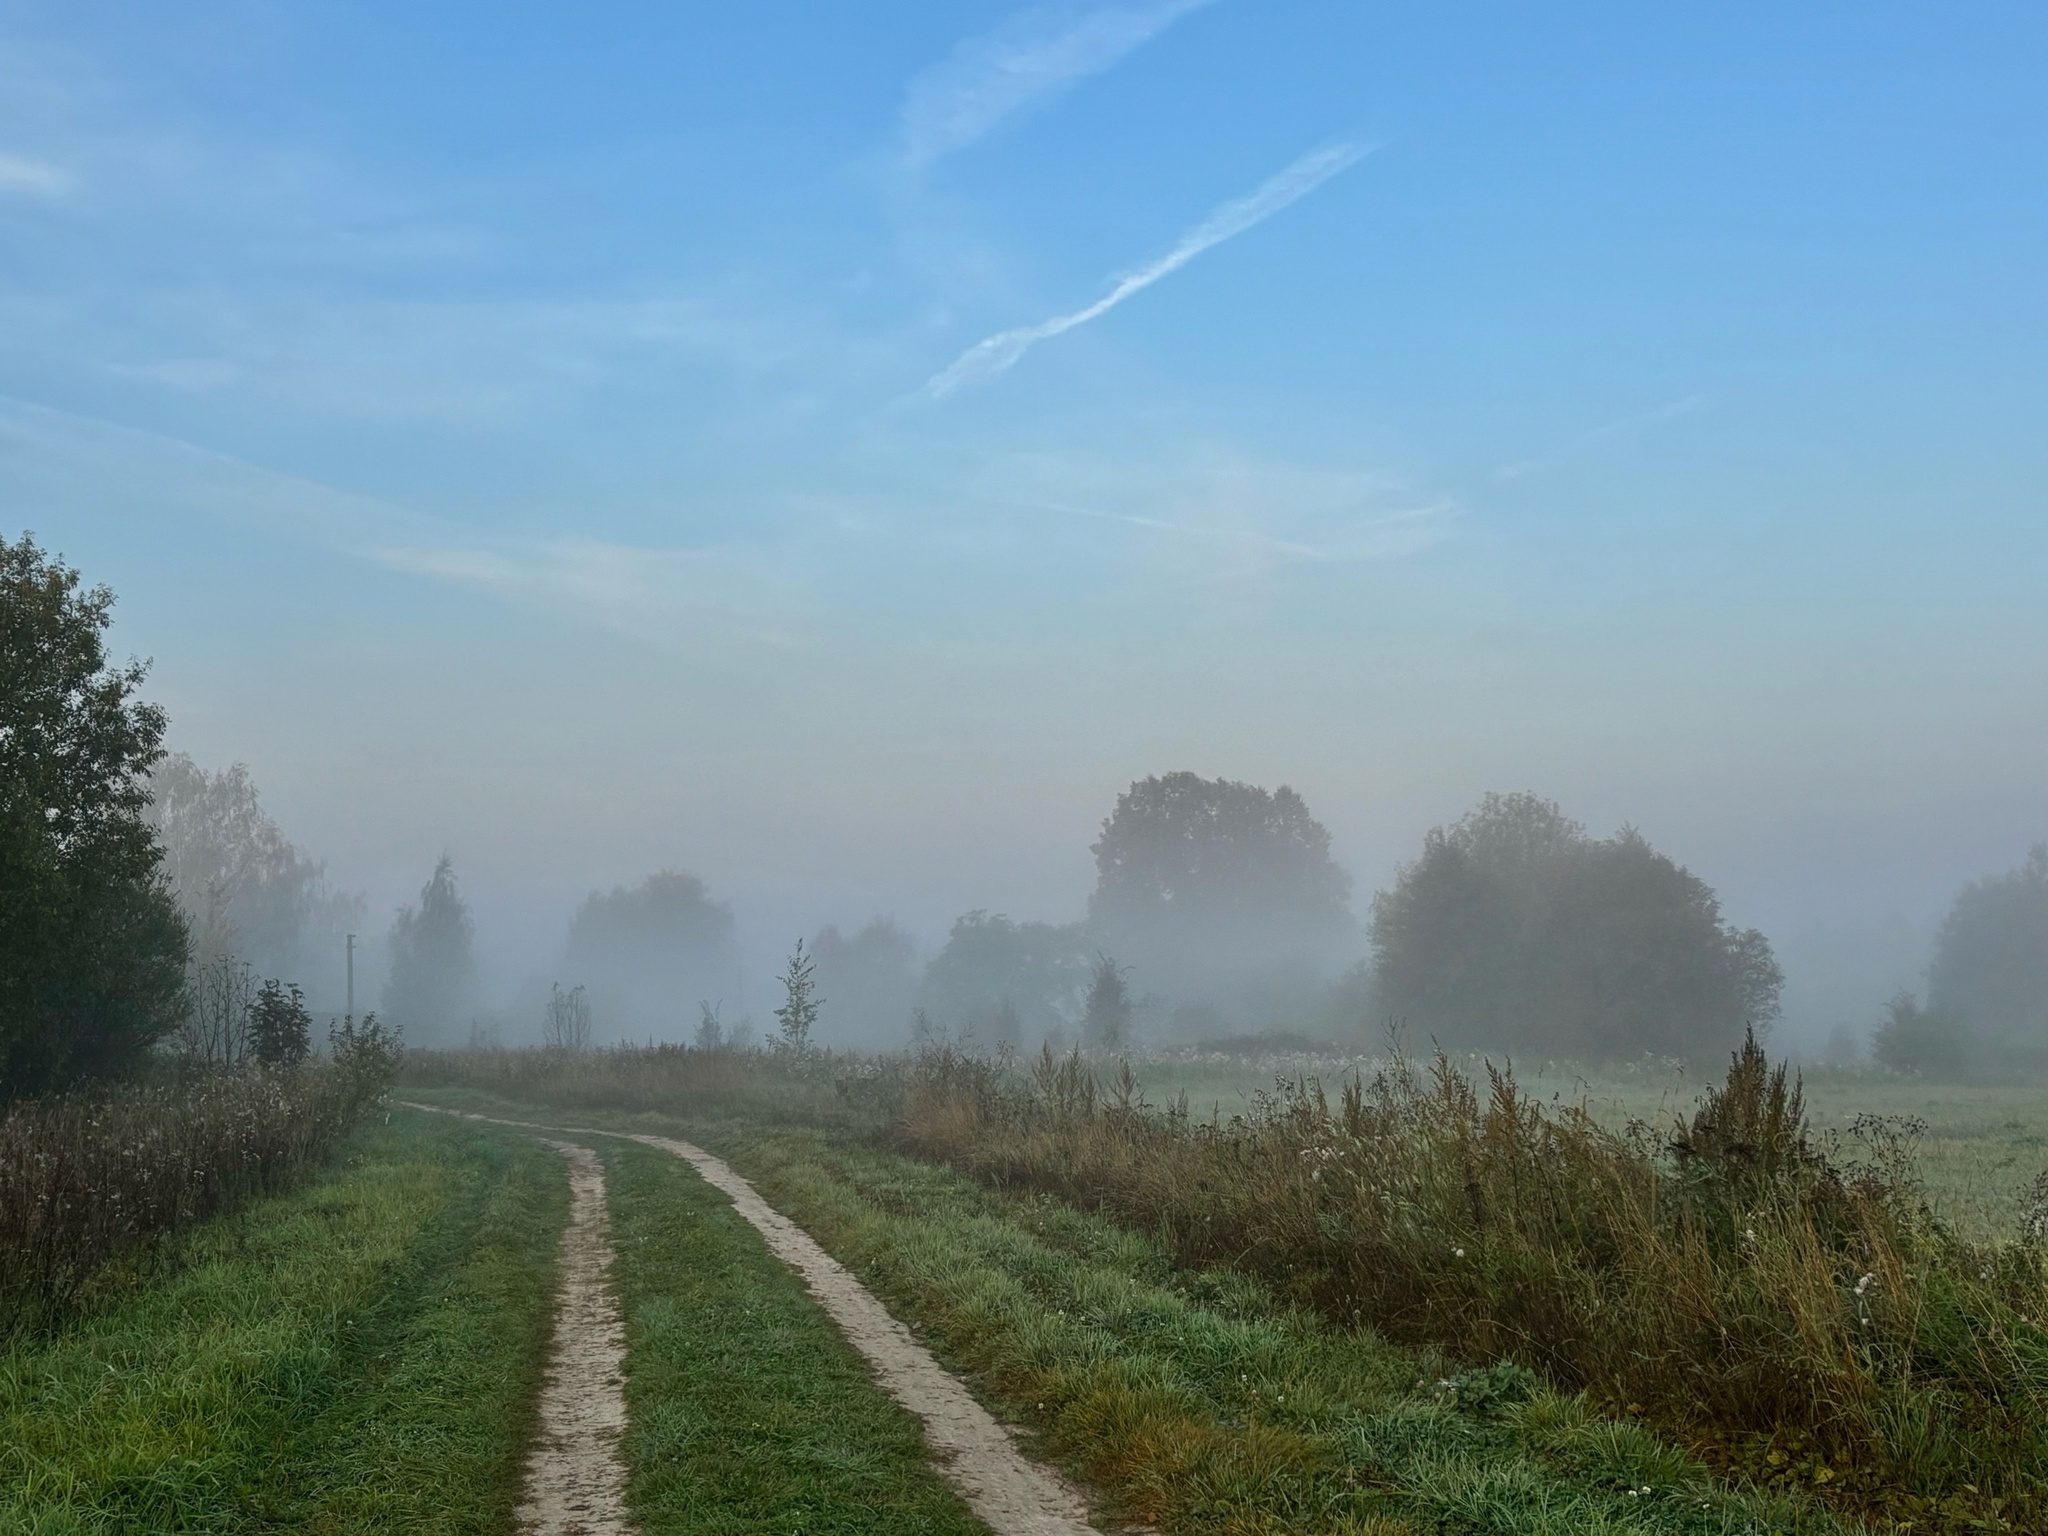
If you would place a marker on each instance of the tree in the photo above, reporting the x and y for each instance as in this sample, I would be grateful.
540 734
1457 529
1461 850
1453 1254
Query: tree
244 889
280 1030
1930 1042
1108 1018
1990 967
650 950
872 978
1220 890
566 1024
710 1028
1009 981
799 1011
433 968
94 947
1516 930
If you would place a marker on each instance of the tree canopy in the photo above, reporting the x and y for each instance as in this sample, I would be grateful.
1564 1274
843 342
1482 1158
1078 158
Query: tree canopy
433 965
1990 968
871 977
652 952
1005 980
1515 930
1203 883
94 946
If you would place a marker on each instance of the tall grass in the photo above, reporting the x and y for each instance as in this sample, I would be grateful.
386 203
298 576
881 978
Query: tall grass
1785 1302
92 1178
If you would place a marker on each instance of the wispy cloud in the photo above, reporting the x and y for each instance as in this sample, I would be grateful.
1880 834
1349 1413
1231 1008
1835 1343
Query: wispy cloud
35 178
1598 437
1030 57
996 354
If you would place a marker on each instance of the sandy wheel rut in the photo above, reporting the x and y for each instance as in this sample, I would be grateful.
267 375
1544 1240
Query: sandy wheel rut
575 1482
1011 1494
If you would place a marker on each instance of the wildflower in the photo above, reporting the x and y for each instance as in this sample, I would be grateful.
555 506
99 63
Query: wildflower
1457 1253
1864 1284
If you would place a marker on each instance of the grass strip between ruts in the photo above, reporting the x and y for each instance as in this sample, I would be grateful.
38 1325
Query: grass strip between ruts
748 1412
357 1356
1199 1403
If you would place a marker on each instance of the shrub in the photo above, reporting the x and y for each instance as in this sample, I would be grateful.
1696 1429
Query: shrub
90 1178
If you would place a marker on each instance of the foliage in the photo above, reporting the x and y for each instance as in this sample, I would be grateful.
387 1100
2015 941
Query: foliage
1206 883
1753 1289
566 1026
648 950
215 1029
798 1014
1929 1042
280 1032
94 945
433 968
368 1054
244 889
1107 1023
710 1028
1990 968
359 1355
88 1178
1515 930
1006 980
871 977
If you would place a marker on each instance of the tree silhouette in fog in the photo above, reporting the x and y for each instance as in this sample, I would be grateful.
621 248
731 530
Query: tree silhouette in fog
1990 968
1515 930
1007 981
433 964
1219 890
871 977
651 953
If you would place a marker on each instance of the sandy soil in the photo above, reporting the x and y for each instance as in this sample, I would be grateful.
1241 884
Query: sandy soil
575 1483
1012 1495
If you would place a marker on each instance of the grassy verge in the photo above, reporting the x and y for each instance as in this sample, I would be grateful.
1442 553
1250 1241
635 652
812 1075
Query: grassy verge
357 1356
1201 1403
749 1413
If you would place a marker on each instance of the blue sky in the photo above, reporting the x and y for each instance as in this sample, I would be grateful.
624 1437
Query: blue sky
557 433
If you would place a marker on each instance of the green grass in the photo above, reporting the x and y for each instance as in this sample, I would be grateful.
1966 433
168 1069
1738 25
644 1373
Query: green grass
1982 1148
357 1356
1199 1403
749 1413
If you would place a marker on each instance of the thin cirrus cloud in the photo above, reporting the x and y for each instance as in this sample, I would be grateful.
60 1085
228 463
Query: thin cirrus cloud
994 355
34 178
1033 56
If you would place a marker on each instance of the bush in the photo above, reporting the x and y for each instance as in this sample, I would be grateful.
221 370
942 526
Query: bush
1930 1042
90 1178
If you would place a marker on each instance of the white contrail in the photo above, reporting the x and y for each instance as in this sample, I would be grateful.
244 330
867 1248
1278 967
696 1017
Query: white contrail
989 357
1032 56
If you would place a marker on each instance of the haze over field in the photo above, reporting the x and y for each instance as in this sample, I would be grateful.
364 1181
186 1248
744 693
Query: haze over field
835 454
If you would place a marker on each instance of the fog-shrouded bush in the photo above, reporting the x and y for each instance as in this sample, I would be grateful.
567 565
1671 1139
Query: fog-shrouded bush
650 954
1221 893
1927 1042
870 977
92 945
1516 931
1990 970
432 985
1007 983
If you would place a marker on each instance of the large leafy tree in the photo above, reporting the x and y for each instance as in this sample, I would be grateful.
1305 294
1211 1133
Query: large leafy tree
92 946
651 953
1990 968
1217 889
433 965
871 976
1515 930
